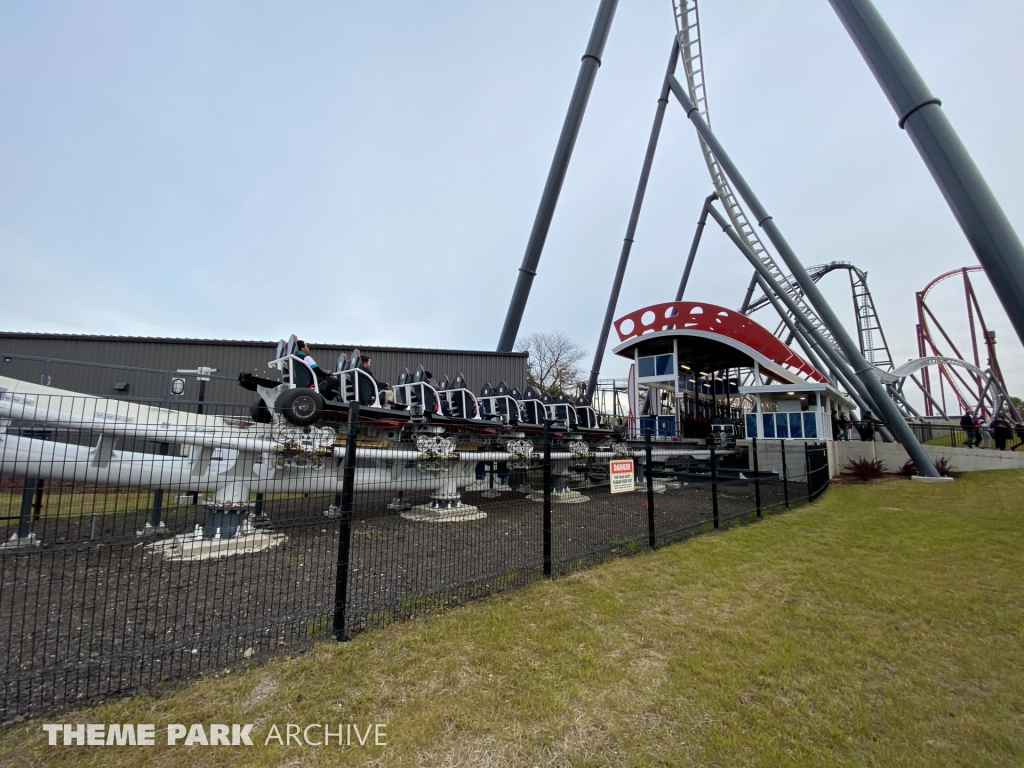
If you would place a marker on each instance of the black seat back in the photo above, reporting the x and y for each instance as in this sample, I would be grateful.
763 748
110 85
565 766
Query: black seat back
366 386
586 415
564 409
531 410
445 403
303 376
400 391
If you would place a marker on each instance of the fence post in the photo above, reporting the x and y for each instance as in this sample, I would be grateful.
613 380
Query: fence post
807 471
785 474
547 498
26 508
37 501
757 479
714 480
155 524
649 478
348 479
257 513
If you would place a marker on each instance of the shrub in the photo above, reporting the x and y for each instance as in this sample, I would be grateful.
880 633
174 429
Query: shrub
866 469
941 464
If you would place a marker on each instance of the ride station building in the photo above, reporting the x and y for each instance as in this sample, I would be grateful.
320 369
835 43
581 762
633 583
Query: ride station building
703 365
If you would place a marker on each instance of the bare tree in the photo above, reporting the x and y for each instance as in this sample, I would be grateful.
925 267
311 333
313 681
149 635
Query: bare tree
554 359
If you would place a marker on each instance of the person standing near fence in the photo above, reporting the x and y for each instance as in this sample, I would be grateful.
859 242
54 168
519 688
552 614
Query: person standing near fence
1001 432
867 427
978 434
967 424
1018 433
845 425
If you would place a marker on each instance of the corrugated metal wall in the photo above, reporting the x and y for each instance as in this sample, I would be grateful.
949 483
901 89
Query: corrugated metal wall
229 358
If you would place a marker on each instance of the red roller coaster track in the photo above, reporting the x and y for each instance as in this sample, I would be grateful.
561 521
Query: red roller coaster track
929 345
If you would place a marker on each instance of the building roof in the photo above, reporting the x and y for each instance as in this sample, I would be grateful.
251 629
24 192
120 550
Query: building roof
238 342
710 338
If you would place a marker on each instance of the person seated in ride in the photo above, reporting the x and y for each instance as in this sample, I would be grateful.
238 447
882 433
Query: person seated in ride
302 351
383 387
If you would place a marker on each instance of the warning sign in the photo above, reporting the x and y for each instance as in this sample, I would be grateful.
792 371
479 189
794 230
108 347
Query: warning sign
621 471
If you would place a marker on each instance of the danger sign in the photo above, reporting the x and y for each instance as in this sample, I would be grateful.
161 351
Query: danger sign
621 472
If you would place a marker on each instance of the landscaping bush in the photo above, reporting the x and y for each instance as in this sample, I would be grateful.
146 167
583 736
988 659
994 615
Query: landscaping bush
866 469
945 469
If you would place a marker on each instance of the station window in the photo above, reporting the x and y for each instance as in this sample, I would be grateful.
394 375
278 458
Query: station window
654 365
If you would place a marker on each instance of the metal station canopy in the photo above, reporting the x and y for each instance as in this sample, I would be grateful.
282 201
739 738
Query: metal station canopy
705 338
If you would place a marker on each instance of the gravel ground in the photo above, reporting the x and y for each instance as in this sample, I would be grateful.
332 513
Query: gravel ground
92 613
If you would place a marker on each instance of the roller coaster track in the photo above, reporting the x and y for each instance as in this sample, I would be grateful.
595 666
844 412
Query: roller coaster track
932 336
688 33
872 340
873 345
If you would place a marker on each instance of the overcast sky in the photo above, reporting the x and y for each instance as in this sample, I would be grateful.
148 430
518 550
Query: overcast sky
369 172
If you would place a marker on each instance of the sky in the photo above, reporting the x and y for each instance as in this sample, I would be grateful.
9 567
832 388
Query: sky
368 173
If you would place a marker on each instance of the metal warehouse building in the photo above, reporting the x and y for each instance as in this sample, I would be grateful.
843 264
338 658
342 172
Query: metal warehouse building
143 368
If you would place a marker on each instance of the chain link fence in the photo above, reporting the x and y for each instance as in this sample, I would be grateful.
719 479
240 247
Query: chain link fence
137 552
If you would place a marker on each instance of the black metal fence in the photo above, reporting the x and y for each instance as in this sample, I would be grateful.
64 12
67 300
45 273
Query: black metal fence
200 542
986 436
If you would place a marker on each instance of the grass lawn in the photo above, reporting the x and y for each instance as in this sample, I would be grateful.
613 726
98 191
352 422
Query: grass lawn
883 626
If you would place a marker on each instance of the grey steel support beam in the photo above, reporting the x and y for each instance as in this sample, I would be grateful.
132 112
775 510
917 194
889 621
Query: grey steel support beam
861 368
787 319
701 222
826 350
835 363
920 114
748 295
801 333
634 217
556 175
898 396
935 403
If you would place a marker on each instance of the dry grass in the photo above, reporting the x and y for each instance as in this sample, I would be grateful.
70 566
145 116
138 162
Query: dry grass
882 626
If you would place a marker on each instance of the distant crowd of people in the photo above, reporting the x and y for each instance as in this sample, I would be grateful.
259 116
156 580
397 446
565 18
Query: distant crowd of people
842 426
1003 431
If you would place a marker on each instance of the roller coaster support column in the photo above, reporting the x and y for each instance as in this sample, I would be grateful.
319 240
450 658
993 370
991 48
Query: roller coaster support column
827 352
693 246
920 114
556 175
748 295
928 395
861 368
634 216
845 375
812 358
